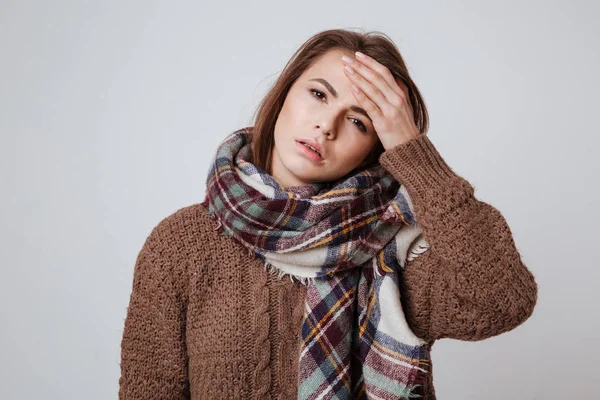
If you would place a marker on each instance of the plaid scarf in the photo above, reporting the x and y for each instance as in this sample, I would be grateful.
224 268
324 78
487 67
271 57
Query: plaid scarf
348 241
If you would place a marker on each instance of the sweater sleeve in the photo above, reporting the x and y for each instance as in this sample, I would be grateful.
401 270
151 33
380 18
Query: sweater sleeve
471 284
153 348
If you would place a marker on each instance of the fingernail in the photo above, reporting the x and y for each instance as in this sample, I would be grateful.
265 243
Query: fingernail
347 59
359 54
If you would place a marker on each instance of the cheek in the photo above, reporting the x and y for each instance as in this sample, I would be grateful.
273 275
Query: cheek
354 152
298 109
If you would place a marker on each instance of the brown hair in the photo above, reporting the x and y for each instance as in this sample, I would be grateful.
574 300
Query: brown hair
374 44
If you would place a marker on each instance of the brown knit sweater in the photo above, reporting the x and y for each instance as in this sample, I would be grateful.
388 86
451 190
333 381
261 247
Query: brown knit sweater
207 321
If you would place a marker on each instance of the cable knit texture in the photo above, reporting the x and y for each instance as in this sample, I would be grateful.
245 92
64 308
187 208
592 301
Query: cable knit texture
207 321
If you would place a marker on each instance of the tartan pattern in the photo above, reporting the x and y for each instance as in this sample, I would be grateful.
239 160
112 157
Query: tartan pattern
349 242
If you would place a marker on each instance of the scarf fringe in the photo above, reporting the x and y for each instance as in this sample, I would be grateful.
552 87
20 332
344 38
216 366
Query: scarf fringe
273 270
420 247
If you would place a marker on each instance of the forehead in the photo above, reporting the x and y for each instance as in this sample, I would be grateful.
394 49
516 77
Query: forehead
331 68
329 62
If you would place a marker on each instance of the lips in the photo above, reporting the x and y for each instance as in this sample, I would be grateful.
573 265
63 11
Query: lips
309 153
313 145
311 148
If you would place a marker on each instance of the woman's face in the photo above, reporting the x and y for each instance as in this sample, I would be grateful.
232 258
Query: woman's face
318 108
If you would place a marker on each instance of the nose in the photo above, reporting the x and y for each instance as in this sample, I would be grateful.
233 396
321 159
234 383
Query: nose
328 120
327 129
324 129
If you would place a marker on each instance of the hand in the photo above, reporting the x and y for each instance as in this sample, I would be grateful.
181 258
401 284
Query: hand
385 98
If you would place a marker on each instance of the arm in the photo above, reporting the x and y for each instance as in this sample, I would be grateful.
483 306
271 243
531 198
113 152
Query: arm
153 350
471 284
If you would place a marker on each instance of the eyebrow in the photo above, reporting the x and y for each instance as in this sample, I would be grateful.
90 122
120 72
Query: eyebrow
334 93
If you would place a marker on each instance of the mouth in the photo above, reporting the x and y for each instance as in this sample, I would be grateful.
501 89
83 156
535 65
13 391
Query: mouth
309 151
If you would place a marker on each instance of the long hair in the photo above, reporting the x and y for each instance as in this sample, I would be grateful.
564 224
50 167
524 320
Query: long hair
374 44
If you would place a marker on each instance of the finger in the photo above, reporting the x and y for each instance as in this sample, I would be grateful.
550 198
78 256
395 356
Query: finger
404 88
382 70
368 89
370 107
380 90
402 85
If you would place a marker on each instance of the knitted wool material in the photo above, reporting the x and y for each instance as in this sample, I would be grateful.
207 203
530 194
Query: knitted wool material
206 321
348 242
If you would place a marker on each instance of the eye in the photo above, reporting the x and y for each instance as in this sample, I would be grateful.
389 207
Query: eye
360 125
317 93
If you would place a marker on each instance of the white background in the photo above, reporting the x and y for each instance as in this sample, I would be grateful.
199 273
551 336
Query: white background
110 113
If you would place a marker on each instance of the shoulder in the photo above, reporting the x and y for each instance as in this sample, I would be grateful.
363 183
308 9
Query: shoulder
183 222
189 236
180 244
184 232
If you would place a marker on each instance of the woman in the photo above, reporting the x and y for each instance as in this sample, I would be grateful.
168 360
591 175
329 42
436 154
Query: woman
338 187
